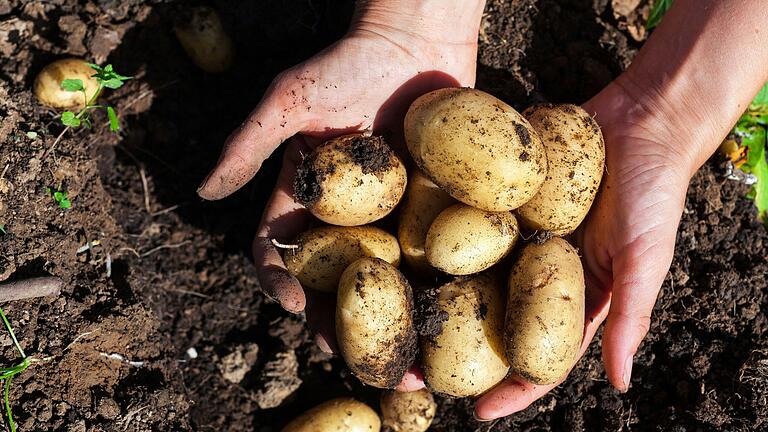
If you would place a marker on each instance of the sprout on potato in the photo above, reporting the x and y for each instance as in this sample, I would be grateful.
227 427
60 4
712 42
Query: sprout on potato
323 253
374 322
47 87
475 147
351 180
202 36
464 240
337 415
545 311
407 411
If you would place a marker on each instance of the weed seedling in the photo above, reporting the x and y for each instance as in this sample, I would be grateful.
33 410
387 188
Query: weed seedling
60 197
2 229
751 134
7 374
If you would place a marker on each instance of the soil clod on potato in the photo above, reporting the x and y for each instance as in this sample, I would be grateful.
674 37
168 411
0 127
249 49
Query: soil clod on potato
371 153
428 317
306 185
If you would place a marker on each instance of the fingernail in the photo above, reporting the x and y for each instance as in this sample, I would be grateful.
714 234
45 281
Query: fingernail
323 344
205 180
474 414
627 373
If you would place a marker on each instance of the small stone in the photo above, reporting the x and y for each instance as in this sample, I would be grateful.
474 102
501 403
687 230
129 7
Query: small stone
108 408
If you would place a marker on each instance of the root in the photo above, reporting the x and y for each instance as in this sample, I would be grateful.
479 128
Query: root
279 245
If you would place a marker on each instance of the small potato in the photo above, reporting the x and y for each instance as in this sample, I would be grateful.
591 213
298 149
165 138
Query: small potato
407 411
374 322
47 87
337 415
545 311
202 36
465 240
576 156
351 180
467 357
323 253
476 147
423 202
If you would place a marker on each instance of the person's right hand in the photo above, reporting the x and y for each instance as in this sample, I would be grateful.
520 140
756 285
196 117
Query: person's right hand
366 80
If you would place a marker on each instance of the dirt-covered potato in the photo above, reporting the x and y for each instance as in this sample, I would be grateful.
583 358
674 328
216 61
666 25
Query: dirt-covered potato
351 180
545 311
467 357
422 203
47 87
323 253
464 240
374 322
202 36
337 415
407 411
576 158
476 147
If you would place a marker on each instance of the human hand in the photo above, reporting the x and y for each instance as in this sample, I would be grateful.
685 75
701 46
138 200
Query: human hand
391 55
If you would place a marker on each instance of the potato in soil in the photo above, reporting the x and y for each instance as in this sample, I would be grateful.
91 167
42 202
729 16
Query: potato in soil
422 203
545 311
476 147
374 322
204 39
467 357
407 411
464 240
337 415
576 158
351 180
324 252
47 87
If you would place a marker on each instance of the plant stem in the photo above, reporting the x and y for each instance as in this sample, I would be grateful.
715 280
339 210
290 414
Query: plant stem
11 423
13 335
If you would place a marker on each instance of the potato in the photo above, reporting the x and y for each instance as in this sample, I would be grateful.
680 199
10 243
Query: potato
47 87
463 240
374 322
423 202
202 36
337 415
467 357
351 180
407 411
545 311
576 157
476 147
323 253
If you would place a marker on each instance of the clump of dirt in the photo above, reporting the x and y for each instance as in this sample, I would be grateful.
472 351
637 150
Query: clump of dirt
306 184
429 317
372 154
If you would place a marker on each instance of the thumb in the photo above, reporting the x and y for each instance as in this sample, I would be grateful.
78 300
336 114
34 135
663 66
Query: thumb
638 272
279 115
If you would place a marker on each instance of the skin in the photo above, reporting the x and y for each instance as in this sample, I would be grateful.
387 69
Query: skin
661 120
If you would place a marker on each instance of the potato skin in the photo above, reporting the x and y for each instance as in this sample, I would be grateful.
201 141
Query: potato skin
374 322
351 180
576 156
476 147
467 357
204 39
407 411
47 87
464 240
337 415
324 252
545 311
422 203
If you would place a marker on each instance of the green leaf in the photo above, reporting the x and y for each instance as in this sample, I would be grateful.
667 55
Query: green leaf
111 83
72 85
62 200
65 204
2 229
761 100
660 8
31 134
68 118
114 124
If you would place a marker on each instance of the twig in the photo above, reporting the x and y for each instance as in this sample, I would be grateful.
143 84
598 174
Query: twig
131 250
53 146
5 170
145 186
193 293
165 210
47 286
165 246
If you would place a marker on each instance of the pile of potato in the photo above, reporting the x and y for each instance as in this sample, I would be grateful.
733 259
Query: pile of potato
483 173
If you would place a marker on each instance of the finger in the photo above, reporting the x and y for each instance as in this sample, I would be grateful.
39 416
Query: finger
279 115
321 319
412 380
515 394
282 220
638 273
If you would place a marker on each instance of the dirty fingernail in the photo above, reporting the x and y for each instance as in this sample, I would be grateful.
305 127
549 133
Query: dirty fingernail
627 373
477 418
323 344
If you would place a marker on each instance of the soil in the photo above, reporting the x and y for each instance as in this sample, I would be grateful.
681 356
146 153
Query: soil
161 324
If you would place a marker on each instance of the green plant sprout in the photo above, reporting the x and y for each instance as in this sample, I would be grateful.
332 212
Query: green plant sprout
7 374
60 197
659 9
751 134
106 77
2 229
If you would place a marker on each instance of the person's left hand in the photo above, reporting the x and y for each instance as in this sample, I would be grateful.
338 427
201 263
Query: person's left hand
626 242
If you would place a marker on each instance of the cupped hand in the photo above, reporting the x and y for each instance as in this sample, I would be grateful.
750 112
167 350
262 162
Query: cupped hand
367 80
626 242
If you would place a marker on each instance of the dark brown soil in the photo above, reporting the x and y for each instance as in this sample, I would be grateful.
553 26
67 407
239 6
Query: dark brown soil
116 346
